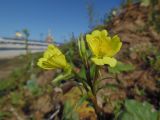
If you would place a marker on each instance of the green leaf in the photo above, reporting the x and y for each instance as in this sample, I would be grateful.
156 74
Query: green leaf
121 67
92 70
81 100
135 110
69 113
82 73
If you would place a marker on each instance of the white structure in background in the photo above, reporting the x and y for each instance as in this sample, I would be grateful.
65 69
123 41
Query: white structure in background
11 47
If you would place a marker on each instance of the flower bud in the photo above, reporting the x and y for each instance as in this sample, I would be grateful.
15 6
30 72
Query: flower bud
82 46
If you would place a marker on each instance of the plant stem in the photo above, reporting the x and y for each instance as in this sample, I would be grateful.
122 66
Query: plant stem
91 82
88 76
98 110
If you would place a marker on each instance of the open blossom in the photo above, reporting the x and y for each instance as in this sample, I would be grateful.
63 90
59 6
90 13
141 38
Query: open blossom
53 59
103 47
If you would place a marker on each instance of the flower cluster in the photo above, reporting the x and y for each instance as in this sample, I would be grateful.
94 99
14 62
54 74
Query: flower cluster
100 43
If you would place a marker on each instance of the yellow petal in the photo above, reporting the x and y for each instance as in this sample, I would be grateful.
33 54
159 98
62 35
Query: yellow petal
115 44
60 60
106 60
104 33
96 33
54 49
93 44
51 51
43 63
105 47
97 61
110 61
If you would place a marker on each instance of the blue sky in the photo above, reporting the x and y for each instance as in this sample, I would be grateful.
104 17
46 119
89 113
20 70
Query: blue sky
62 17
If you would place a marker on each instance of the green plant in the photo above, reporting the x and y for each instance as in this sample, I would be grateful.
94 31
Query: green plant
16 98
102 50
135 110
69 112
4 115
11 81
33 87
121 67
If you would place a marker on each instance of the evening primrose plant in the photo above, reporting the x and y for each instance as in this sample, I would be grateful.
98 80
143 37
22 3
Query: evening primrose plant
102 49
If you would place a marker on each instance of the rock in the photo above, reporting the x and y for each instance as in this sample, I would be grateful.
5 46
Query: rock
45 78
43 104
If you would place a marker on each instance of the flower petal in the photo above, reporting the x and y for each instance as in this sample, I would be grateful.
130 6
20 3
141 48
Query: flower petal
106 60
97 61
43 63
115 44
104 33
52 59
110 61
51 51
93 44
96 33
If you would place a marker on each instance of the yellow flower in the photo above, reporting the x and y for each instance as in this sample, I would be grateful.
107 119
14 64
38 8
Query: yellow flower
103 47
53 59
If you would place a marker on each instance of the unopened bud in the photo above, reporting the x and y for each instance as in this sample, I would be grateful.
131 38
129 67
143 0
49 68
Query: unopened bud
82 46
